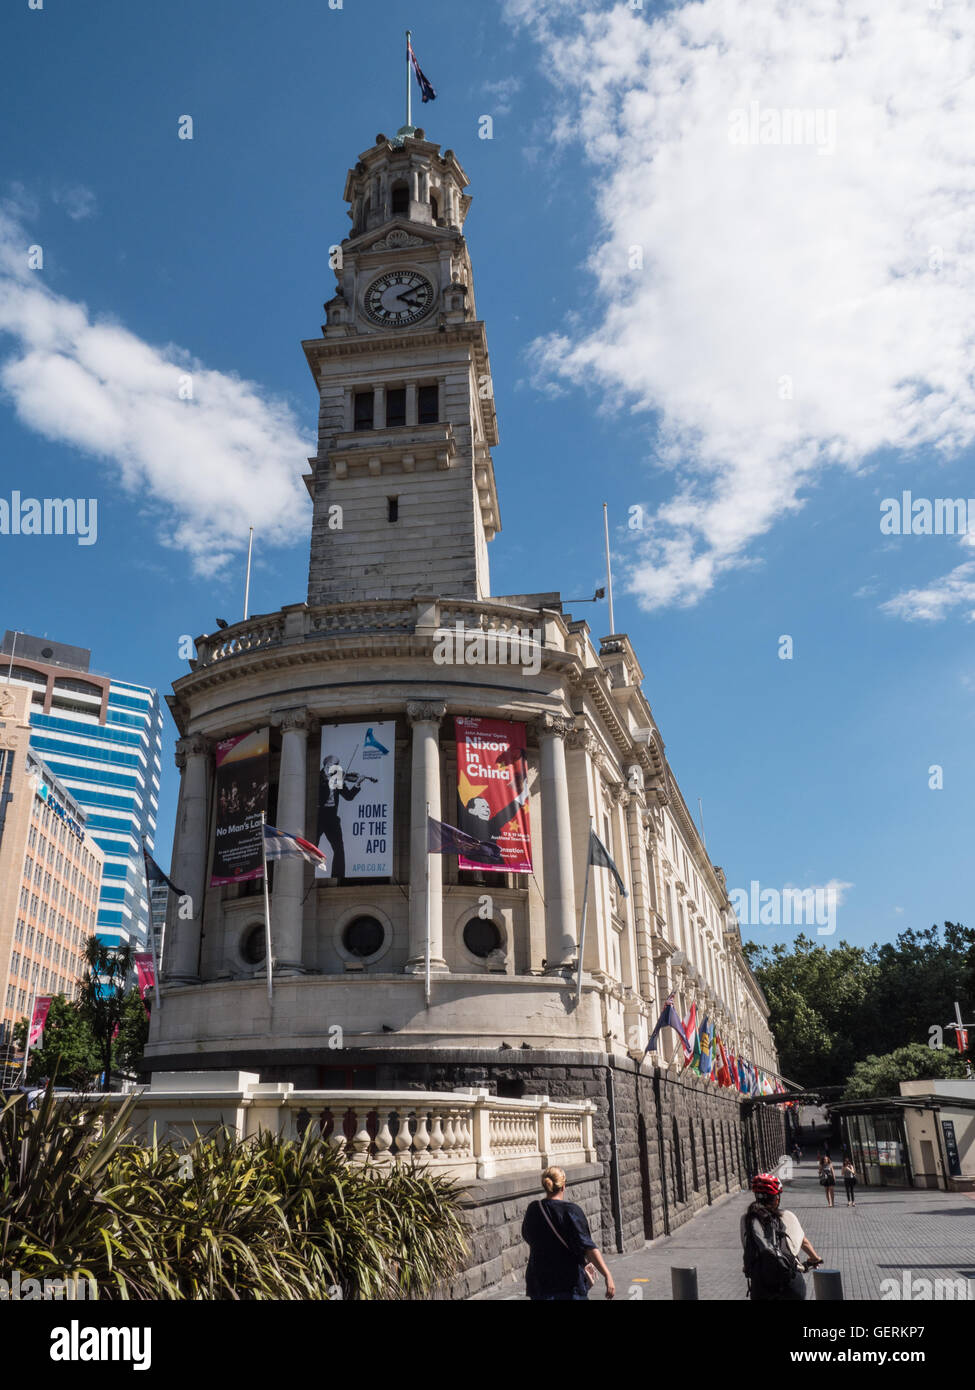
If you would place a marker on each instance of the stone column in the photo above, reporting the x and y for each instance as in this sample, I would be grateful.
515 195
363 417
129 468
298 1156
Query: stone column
411 403
189 864
289 874
424 717
561 928
642 892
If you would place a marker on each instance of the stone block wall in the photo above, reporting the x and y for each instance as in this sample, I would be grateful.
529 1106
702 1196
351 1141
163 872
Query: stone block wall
494 1212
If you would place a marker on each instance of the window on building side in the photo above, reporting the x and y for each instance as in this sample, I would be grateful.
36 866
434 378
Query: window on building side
392 509
363 410
428 405
396 407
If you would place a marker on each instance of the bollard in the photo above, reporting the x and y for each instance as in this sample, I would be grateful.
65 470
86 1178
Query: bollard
683 1283
828 1284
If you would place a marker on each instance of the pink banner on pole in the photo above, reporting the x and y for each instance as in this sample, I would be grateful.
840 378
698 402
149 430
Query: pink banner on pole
147 978
42 1007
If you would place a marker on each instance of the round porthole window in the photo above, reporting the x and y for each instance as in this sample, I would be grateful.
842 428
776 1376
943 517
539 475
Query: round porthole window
363 937
481 937
252 945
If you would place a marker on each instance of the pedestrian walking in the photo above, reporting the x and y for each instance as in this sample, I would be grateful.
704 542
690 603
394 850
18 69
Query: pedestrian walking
563 1257
827 1177
850 1181
796 1154
771 1240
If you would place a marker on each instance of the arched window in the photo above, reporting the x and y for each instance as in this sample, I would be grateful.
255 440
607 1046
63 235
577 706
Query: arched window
434 207
401 199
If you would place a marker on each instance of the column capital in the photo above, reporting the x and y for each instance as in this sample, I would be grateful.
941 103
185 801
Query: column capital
620 794
553 725
195 746
425 711
295 721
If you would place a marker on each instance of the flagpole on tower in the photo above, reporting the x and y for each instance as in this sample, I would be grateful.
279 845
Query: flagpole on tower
609 571
409 89
267 911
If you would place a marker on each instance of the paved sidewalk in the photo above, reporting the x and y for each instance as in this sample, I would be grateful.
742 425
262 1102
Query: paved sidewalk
930 1234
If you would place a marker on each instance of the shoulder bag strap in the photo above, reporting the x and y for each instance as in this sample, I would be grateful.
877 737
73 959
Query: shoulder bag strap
552 1227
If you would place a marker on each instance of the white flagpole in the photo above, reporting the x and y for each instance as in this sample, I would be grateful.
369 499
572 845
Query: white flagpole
267 912
30 1029
409 89
426 983
585 909
152 933
247 582
609 571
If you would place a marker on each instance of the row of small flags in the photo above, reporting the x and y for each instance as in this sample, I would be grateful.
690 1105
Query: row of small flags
705 1054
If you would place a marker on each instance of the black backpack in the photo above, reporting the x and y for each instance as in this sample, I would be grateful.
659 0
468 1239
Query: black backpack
768 1263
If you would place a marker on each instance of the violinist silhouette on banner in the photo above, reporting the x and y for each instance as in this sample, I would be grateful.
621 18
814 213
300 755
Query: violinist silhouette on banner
336 784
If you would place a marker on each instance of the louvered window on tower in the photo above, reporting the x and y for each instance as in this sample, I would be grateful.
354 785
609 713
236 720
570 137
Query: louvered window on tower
428 405
363 410
401 199
396 407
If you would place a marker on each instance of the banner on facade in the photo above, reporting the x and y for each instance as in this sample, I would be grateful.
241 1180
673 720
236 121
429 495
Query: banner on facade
242 778
492 793
355 800
146 974
42 1007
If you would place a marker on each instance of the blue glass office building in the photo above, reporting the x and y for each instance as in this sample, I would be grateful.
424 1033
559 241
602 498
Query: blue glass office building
103 739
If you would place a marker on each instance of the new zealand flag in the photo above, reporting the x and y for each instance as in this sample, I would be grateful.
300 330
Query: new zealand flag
426 86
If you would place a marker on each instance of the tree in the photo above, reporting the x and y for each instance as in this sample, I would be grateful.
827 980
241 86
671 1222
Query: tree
69 1052
102 992
876 1077
815 995
133 1033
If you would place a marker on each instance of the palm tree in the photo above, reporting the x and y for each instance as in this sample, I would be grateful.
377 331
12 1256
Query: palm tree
107 969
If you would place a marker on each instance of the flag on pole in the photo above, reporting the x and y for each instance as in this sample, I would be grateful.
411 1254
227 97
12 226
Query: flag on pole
690 1032
669 1018
42 1007
600 855
279 844
426 86
155 875
447 839
707 1036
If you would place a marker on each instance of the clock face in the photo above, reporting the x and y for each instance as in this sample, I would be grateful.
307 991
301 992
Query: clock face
398 298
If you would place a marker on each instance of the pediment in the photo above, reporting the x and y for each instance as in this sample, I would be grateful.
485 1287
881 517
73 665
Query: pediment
399 236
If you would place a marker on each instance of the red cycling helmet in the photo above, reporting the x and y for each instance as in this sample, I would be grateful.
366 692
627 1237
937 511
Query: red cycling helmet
766 1185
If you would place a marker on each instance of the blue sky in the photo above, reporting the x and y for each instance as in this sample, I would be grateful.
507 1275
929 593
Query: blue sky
794 347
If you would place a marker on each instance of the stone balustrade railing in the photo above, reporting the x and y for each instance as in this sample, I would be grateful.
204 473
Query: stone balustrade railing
420 616
465 1133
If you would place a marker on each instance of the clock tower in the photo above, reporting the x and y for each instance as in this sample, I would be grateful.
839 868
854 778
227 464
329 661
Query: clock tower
403 481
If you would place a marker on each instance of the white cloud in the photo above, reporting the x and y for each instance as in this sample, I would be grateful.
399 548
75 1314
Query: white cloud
229 458
78 202
933 604
799 306
502 93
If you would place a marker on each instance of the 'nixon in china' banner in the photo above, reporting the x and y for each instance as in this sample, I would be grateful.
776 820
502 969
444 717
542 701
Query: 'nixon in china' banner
241 797
355 800
492 792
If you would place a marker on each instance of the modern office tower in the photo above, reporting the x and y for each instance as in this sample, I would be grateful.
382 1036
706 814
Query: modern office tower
102 737
50 874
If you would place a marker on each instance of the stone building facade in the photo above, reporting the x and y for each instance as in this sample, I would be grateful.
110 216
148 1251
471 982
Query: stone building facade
405 506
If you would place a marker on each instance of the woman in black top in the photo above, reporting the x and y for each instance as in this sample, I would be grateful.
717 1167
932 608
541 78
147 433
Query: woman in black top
560 1242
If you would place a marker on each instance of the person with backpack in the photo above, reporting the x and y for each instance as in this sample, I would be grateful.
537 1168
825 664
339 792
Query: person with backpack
771 1240
563 1261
